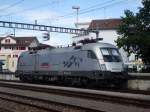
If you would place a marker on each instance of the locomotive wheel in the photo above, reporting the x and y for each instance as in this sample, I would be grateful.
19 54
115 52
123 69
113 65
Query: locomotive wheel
84 82
91 83
22 78
122 84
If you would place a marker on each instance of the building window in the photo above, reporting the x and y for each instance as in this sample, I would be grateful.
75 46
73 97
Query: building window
15 56
17 47
13 64
7 41
13 48
8 47
22 48
91 54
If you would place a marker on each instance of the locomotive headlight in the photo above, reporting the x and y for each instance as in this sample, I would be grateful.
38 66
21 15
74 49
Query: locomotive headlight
103 67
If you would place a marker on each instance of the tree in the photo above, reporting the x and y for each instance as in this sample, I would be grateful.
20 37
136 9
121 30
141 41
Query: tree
135 32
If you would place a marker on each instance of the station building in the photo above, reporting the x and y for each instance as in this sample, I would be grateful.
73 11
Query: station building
12 47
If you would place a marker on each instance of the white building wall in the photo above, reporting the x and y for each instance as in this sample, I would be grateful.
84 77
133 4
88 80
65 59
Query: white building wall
12 41
83 25
9 56
109 36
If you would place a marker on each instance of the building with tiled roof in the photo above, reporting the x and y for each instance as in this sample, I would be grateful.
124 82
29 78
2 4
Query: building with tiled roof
12 47
105 24
107 29
16 42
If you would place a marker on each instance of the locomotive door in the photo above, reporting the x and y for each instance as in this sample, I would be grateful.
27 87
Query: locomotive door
31 62
36 62
92 61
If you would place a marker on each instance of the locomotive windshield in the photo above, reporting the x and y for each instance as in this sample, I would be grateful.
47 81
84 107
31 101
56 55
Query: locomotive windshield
110 55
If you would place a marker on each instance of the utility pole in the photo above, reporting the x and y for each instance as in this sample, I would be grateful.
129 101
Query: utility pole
35 22
14 32
105 16
77 9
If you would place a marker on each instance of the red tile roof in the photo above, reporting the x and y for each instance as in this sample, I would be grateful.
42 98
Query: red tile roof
25 40
22 40
105 24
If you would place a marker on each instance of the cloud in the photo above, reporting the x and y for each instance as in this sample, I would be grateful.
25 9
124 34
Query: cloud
70 21
38 15
7 12
55 38
50 17
44 18
58 40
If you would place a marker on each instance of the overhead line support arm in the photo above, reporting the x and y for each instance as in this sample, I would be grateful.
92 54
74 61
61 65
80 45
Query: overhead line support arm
37 27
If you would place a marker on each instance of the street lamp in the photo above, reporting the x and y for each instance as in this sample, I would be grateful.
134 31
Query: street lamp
77 9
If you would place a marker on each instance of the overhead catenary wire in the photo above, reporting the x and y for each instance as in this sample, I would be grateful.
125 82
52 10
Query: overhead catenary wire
91 8
4 34
82 10
99 4
29 9
64 16
11 5
102 5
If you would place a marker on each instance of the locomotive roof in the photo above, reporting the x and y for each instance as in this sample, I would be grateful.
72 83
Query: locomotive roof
89 46
98 44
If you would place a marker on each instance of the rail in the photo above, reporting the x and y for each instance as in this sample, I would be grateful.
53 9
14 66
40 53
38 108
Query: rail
85 99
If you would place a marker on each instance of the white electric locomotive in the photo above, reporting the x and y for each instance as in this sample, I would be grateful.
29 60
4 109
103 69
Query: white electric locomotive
92 62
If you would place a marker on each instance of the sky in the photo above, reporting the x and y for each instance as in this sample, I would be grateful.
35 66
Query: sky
60 13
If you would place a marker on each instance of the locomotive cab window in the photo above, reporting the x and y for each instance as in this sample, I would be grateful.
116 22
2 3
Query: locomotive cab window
91 54
110 55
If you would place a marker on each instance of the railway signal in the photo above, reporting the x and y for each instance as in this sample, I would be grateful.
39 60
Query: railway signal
46 36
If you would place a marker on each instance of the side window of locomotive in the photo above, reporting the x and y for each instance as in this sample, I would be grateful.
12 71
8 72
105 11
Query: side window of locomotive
116 55
91 54
115 52
105 51
110 55
106 55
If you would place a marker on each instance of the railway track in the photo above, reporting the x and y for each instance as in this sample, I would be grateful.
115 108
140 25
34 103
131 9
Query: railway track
17 104
39 96
145 92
